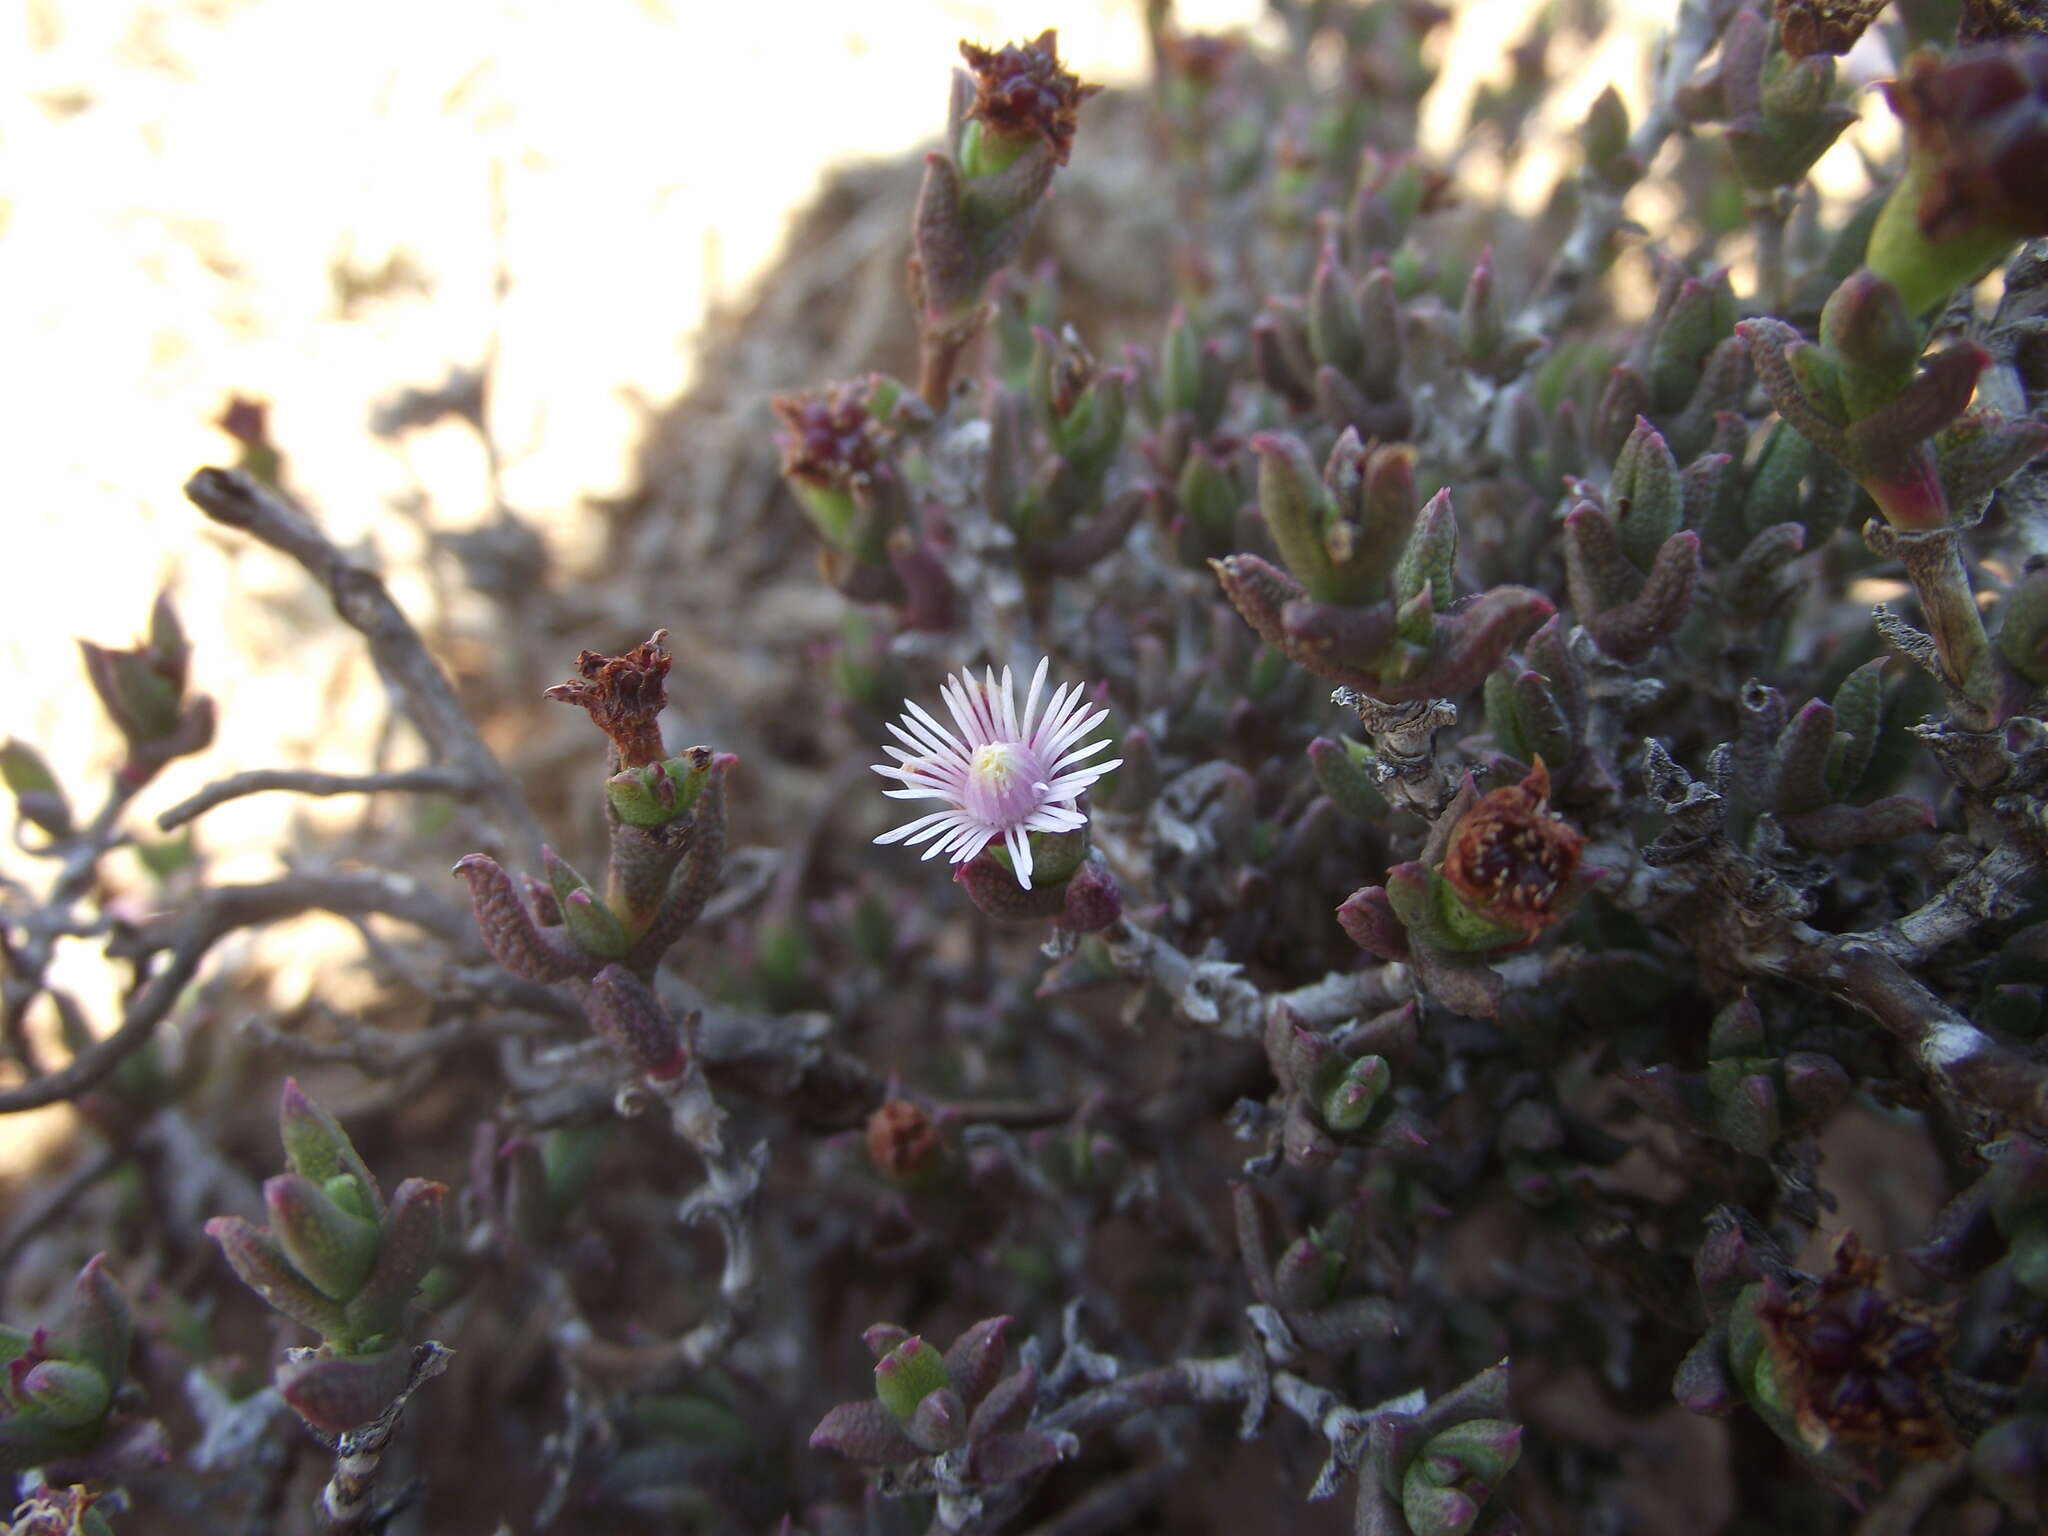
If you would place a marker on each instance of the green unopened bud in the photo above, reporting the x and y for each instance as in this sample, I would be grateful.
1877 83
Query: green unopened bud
907 1375
1350 1102
1972 188
1866 325
64 1392
1415 623
1434 1511
350 1196
592 924
1478 1450
655 794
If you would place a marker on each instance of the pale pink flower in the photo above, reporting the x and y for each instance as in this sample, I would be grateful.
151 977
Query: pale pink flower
1003 776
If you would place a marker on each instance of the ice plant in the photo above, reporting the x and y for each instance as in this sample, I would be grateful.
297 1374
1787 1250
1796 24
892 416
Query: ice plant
1004 776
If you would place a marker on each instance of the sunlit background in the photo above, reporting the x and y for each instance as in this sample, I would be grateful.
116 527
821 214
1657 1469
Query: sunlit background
318 205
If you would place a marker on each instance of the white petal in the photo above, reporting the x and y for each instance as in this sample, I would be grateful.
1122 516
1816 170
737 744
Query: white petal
1053 818
960 705
922 743
968 845
1074 731
923 717
917 831
1009 707
1019 844
1055 709
1031 698
1080 752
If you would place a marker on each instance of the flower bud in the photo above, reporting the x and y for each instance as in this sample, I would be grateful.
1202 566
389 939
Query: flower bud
1976 180
1350 1102
908 1374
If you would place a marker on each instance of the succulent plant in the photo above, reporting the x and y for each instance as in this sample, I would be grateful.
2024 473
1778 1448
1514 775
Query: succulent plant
338 1258
67 1398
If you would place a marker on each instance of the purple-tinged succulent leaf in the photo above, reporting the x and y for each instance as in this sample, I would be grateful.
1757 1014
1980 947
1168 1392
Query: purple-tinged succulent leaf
1629 632
1770 345
992 887
1800 779
1468 644
632 1021
99 1329
883 1337
408 1246
1301 1276
939 1422
1980 450
338 1393
1345 645
1598 573
509 932
1008 1458
1649 505
259 1259
1093 899
1303 1142
1702 1383
1340 1327
1007 1407
865 1432
1369 920
1461 983
975 1360
1916 413
1102 535
1816 1084
1748 1115
1259 591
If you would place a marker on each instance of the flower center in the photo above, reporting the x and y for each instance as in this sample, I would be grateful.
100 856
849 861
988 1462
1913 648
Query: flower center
1001 783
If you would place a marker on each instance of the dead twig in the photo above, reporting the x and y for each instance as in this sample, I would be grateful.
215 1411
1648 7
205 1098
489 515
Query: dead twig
232 498
446 781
